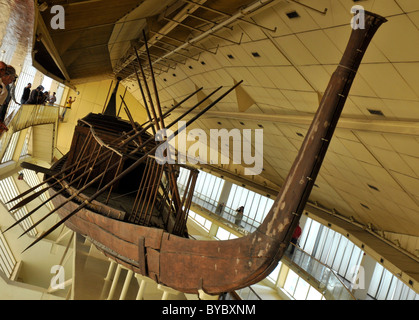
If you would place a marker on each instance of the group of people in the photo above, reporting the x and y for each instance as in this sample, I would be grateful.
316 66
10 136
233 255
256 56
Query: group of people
7 79
37 96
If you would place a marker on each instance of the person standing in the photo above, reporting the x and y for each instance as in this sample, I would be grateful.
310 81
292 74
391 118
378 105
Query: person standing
220 208
67 106
3 67
34 96
52 99
5 96
294 239
239 216
26 93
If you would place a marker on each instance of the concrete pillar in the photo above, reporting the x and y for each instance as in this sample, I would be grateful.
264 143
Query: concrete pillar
126 285
142 282
114 283
225 193
166 291
204 296
108 278
110 270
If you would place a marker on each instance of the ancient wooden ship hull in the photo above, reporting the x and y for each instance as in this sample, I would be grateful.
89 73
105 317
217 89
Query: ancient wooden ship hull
150 237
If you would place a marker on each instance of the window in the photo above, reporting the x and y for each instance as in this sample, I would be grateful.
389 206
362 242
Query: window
46 83
256 206
8 155
26 76
386 286
206 224
273 277
291 282
7 261
32 179
222 234
331 248
25 148
9 192
299 288
313 294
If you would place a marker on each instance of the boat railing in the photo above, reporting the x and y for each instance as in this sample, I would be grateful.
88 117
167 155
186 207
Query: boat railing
325 278
24 117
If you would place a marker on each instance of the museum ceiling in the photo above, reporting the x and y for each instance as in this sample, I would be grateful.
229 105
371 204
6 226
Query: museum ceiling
285 52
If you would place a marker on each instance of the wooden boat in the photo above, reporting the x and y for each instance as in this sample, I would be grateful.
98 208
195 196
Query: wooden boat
111 158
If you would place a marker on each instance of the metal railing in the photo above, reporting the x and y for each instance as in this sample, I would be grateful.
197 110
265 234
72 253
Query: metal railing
228 214
328 282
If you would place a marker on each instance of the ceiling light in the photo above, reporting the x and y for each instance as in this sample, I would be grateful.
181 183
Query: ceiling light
365 206
293 14
374 188
376 112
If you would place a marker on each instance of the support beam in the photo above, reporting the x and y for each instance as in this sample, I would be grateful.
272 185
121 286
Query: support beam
370 125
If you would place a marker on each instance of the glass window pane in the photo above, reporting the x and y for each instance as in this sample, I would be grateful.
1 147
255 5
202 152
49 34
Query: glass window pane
291 282
207 224
274 274
346 258
313 294
327 246
384 285
301 289
243 197
375 281
222 234
312 236
261 209
333 249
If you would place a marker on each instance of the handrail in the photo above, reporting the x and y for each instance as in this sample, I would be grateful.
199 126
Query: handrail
226 212
310 264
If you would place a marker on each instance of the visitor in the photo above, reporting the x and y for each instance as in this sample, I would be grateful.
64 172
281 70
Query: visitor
52 99
34 96
67 106
239 216
294 239
26 93
5 96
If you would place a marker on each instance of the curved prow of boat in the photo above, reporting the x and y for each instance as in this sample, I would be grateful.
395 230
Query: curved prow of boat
177 261
228 265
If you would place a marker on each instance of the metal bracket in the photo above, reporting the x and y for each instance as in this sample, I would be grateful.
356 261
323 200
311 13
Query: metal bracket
311 8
